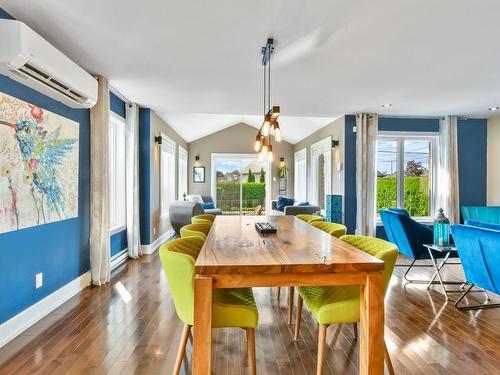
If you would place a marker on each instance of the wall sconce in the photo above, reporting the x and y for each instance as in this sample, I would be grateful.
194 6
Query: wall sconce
158 140
197 158
335 143
282 159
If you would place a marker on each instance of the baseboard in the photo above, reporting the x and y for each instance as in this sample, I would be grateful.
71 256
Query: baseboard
26 318
118 259
151 248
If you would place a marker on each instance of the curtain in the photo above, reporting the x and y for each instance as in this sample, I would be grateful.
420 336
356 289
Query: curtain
99 186
132 180
366 173
448 192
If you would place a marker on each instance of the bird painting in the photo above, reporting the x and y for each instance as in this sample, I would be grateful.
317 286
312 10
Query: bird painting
34 155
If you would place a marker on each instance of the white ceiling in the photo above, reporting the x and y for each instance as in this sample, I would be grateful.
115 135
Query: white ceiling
197 63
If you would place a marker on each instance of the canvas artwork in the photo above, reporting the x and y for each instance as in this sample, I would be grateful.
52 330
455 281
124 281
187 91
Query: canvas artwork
38 165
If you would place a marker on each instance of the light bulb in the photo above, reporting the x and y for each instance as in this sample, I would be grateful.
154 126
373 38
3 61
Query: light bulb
270 156
265 128
264 151
277 133
257 145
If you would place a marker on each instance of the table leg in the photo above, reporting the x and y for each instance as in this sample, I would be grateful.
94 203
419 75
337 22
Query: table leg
202 348
372 325
438 268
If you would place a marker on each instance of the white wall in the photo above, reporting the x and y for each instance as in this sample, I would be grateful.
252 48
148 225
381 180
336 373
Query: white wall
493 183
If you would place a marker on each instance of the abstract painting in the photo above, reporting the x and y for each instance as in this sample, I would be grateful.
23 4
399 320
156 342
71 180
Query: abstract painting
38 165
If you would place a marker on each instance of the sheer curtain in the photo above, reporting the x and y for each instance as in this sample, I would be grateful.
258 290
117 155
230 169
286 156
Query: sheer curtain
448 191
366 173
99 186
132 180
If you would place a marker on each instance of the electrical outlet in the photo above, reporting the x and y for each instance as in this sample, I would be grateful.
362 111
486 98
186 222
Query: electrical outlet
154 231
38 280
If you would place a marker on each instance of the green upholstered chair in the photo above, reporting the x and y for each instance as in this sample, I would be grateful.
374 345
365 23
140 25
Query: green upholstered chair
195 230
309 218
340 304
203 219
336 230
231 307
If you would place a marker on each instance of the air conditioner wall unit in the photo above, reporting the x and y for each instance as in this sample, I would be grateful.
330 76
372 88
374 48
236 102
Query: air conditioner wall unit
31 60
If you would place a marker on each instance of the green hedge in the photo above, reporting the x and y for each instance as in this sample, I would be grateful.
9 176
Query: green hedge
416 194
228 195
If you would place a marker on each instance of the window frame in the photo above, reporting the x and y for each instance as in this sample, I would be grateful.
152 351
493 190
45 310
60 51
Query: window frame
300 156
117 120
400 137
167 144
182 183
322 147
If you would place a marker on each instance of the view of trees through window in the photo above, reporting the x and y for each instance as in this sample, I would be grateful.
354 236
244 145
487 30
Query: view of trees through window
241 186
410 158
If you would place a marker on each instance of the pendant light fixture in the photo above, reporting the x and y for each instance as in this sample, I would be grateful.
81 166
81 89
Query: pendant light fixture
270 126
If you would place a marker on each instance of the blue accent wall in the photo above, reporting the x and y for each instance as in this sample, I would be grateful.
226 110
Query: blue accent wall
145 173
60 250
118 241
350 174
396 124
5 15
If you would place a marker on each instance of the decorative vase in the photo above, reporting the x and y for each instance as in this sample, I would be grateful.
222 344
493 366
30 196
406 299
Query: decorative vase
441 229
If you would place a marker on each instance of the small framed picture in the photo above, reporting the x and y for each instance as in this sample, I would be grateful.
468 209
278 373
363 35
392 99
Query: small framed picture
198 174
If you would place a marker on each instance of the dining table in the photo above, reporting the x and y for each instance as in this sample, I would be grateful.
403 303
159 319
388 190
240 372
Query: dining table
236 255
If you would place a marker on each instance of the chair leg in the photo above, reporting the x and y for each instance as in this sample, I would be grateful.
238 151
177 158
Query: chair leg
298 318
355 329
321 348
474 307
388 361
291 291
279 293
182 348
251 349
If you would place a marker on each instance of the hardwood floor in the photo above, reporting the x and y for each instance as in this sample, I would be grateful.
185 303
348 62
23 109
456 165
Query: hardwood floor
97 332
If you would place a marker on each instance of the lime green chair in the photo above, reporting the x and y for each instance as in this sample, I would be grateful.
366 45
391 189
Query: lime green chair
231 307
340 304
203 219
195 230
309 218
336 230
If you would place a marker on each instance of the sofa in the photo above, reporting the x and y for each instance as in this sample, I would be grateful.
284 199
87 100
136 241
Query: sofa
181 212
485 214
294 210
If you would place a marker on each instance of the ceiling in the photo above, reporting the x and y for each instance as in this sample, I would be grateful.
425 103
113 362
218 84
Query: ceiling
197 63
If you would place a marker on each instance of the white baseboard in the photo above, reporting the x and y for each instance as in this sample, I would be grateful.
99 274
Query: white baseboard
118 259
26 318
151 248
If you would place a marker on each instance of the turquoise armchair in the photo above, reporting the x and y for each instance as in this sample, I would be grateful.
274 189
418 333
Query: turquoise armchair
484 214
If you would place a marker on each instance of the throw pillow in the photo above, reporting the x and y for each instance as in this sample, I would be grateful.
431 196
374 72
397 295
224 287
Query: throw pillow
283 202
208 206
195 198
303 204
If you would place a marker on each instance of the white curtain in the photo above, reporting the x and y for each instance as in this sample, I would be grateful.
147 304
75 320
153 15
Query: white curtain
99 186
366 173
132 180
448 193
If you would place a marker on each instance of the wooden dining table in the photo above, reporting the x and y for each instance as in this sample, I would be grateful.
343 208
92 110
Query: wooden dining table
236 255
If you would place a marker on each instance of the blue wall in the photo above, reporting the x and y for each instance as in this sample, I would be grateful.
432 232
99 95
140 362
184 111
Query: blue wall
118 241
60 250
472 141
145 173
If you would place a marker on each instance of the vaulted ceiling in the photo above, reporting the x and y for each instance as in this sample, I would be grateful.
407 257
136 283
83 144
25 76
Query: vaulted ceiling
197 63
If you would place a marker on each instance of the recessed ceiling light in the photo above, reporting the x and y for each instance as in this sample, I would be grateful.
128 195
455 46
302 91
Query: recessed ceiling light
386 105
493 108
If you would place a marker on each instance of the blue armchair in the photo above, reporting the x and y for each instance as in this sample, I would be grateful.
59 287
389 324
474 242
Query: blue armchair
410 237
484 214
479 251
480 224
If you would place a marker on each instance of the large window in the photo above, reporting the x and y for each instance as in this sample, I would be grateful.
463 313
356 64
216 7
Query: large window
405 172
117 215
321 172
167 174
300 173
183 170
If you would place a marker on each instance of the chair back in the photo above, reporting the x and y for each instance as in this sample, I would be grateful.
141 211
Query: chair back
335 229
407 234
480 224
479 251
178 258
196 230
381 249
490 215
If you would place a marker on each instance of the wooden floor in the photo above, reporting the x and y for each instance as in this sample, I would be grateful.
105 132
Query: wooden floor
98 332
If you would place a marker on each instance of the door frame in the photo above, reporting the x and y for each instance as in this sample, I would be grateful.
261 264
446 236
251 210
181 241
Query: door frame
233 156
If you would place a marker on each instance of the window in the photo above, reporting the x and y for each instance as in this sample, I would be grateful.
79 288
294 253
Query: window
321 172
300 172
117 198
406 171
183 170
167 174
